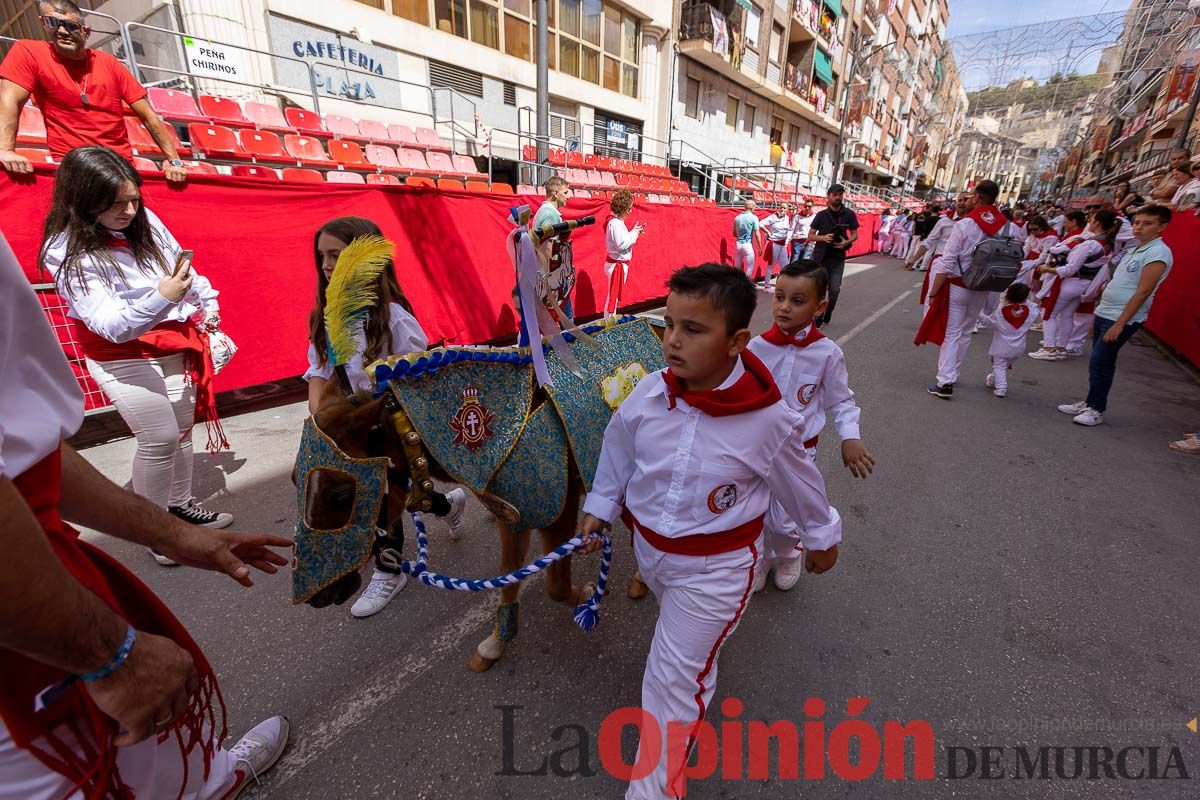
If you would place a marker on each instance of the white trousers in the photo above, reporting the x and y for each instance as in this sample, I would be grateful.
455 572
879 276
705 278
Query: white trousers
158 406
965 306
1060 325
743 258
609 268
701 600
1080 331
153 770
1000 366
779 260
913 247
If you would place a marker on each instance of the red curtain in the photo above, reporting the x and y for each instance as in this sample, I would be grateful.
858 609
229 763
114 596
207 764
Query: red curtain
254 241
1175 315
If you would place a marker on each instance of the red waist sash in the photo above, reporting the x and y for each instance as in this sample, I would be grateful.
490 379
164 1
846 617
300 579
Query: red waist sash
698 544
933 326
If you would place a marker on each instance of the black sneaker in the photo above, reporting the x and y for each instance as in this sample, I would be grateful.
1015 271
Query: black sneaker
945 391
195 514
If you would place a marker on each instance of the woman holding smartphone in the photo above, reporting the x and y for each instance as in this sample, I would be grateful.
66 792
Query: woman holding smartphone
142 318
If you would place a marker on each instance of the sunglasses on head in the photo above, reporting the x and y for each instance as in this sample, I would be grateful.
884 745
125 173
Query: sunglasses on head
54 23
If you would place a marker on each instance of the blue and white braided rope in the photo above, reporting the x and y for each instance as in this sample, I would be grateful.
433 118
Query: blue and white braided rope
587 614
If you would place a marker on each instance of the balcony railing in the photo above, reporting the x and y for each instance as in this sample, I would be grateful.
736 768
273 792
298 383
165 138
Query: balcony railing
706 23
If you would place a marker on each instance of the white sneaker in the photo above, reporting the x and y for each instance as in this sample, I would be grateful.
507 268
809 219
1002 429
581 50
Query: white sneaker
976 329
257 752
458 503
1000 392
161 559
787 572
1072 352
380 591
195 514
1046 355
1089 417
760 575
1073 408
990 380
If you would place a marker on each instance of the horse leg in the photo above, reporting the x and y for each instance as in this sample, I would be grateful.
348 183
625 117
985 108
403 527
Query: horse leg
637 587
558 576
514 547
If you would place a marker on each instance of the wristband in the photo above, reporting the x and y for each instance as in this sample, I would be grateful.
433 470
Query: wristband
114 663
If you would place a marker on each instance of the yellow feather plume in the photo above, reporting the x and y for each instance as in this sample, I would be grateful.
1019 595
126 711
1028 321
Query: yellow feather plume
352 292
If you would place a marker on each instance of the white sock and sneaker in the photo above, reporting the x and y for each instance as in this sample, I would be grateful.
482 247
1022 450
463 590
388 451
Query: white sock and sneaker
384 586
1082 414
256 752
787 573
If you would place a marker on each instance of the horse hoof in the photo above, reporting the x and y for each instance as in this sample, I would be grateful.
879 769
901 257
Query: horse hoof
480 663
637 589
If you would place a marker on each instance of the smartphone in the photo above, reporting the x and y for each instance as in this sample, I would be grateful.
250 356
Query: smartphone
185 258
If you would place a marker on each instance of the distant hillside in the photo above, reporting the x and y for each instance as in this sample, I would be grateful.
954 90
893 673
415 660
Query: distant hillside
1057 92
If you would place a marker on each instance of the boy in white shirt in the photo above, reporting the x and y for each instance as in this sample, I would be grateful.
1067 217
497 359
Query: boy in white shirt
694 455
810 371
1010 322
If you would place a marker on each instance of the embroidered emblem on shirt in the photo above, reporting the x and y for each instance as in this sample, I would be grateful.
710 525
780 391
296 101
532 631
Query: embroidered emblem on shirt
805 393
617 386
988 217
472 422
722 498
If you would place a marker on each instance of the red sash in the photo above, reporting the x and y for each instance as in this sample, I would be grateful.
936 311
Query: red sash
1051 300
72 736
164 340
698 544
1086 308
933 326
925 284
1016 314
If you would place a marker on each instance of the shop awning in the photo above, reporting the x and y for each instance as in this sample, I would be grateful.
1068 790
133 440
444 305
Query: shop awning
835 6
823 67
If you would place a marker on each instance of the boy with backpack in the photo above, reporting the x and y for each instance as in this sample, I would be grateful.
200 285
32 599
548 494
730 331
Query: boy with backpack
978 259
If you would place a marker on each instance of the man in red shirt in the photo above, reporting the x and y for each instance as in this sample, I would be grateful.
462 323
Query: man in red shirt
80 92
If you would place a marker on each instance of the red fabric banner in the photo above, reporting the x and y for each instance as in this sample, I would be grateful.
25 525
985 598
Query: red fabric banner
1175 315
254 241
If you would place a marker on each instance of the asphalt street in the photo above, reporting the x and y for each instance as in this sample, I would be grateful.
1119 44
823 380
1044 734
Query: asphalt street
1007 576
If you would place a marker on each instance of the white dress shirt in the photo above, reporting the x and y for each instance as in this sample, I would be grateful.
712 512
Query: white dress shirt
682 472
619 240
799 228
813 379
121 309
937 237
777 226
407 337
40 400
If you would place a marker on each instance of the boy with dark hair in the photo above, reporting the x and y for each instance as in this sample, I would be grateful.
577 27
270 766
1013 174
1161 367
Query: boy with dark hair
1010 322
810 371
1123 308
694 455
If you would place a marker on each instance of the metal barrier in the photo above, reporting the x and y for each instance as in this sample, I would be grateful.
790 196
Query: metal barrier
454 95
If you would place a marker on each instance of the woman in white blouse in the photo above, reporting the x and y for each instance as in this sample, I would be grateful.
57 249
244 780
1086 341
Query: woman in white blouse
141 318
389 329
618 245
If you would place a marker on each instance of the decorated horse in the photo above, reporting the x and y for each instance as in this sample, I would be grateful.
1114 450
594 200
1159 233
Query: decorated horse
526 447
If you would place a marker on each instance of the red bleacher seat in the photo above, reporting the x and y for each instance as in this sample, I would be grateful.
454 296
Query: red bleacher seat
264 146
342 127
224 110
305 121
140 138
373 130
349 155
622 179
465 165
267 117
477 186
440 163
302 175
200 168
414 161
307 150
174 105
414 180
593 178
31 129
589 160
582 194
525 188
557 157
502 188
604 163
380 178
404 135
384 158
216 141
335 176
608 179
36 156
429 139
255 171
574 160
449 183
529 153
144 164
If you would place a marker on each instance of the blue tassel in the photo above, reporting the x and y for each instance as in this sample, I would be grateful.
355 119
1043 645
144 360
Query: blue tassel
586 617
401 369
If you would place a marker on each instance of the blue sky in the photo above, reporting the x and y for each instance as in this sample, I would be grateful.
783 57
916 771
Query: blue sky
974 16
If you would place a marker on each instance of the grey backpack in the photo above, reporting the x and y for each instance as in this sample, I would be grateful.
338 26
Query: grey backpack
995 262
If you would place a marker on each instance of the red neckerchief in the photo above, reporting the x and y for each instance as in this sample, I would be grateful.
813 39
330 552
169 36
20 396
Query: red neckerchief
1046 235
777 336
1016 314
988 218
754 390
611 217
